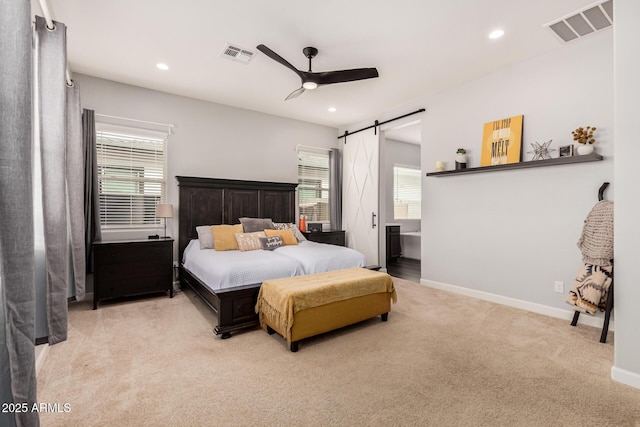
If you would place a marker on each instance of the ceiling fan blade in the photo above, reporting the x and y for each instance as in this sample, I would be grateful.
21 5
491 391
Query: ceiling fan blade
296 93
271 54
342 76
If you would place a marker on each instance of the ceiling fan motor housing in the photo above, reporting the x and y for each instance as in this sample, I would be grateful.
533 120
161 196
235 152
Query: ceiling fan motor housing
310 52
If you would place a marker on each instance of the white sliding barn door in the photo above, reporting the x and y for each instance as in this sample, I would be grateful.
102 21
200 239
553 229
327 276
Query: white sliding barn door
361 169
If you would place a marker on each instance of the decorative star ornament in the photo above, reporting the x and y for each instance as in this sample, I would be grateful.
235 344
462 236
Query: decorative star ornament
541 151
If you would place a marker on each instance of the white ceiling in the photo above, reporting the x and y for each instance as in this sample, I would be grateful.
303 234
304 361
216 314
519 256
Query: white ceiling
420 47
410 133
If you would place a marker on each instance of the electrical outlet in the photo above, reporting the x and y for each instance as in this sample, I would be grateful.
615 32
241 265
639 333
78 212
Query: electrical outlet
558 286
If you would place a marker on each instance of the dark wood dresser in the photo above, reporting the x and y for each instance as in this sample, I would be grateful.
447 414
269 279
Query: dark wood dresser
336 237
132 267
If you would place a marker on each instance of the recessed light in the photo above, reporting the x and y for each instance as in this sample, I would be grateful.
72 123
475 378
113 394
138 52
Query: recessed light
332 109
161 66
496 34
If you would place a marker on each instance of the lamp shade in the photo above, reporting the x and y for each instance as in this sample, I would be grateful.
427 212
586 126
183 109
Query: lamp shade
164 210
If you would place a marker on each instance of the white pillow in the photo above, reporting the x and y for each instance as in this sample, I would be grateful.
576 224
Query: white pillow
205 236
249 241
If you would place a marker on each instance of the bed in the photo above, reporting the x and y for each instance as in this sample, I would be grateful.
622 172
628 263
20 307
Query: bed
232 292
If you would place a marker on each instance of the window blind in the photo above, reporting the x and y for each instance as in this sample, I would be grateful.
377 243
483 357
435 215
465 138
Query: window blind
131 177
406 193
313 185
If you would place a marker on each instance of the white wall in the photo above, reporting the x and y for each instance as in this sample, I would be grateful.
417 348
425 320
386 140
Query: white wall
627 176
509 235
513 233
209 140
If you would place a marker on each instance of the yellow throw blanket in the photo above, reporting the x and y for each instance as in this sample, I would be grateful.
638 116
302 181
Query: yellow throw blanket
280 299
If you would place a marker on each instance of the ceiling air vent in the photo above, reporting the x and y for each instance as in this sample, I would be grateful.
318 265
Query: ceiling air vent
237 54
595 17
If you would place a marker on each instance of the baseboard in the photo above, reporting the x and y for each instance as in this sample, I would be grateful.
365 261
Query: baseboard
625 377
585 319
42 351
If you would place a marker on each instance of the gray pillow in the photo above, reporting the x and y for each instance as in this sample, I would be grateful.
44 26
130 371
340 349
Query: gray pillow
249 225
205 236
290 226
270 243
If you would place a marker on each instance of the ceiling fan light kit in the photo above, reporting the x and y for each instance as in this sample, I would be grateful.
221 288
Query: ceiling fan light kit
311 80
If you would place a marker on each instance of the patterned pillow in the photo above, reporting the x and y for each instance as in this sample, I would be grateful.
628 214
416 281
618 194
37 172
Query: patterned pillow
205 237
224 237
249 241
255 224
289 226
287 236
270 243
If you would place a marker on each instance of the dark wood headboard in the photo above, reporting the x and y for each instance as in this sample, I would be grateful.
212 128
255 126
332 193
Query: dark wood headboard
210 201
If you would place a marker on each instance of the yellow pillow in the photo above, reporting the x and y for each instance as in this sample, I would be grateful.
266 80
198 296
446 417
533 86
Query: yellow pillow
286 235
224 237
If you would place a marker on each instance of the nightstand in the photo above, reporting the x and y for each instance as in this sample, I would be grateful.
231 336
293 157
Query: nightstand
335 237
132 267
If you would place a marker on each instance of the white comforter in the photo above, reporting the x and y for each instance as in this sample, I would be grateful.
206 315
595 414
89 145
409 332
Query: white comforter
320 257
229 269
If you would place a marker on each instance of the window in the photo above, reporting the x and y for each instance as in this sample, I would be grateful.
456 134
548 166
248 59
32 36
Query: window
131 176
313 185
406 193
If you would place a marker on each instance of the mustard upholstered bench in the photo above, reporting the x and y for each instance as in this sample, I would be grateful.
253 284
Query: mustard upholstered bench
303 306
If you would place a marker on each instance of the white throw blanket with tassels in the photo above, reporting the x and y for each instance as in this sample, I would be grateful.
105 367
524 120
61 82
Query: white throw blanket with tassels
591 286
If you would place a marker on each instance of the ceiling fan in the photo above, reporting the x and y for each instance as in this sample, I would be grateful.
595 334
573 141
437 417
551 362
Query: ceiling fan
311 80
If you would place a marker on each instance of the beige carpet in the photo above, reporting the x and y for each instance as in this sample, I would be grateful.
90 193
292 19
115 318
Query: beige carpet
440 360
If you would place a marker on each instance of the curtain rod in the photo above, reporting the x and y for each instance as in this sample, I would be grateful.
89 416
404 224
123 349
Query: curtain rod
44 7
168 125
376 124
311 148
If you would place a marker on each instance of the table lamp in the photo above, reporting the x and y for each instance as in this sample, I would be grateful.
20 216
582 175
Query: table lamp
164 210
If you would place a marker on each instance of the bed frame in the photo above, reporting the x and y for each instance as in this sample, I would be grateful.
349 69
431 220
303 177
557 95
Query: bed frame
210 201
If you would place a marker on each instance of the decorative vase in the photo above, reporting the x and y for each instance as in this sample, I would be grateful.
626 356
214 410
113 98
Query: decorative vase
461 161
584 149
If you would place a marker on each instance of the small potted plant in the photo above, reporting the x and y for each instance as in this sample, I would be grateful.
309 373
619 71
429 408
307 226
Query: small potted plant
461 158
585 138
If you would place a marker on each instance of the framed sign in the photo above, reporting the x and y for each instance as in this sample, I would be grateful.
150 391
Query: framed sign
502 141
565 151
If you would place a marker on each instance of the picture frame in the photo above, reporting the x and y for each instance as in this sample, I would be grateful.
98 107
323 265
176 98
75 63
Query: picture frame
314 227
565 151
502 141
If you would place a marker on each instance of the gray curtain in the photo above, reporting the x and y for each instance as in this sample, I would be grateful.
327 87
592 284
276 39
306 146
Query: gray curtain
17 308
75 189
51 60
335 183
91 194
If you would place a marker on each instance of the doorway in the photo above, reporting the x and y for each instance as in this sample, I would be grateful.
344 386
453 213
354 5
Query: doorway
400 196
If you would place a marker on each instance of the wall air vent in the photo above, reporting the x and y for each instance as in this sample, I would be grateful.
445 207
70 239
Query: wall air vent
595 17
237 54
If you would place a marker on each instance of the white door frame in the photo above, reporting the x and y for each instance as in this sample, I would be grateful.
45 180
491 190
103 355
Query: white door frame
400 123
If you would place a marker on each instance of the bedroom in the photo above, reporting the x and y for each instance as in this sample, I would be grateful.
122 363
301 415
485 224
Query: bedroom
262 147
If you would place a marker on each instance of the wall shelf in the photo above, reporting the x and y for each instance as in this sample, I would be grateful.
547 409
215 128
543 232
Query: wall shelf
593 157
